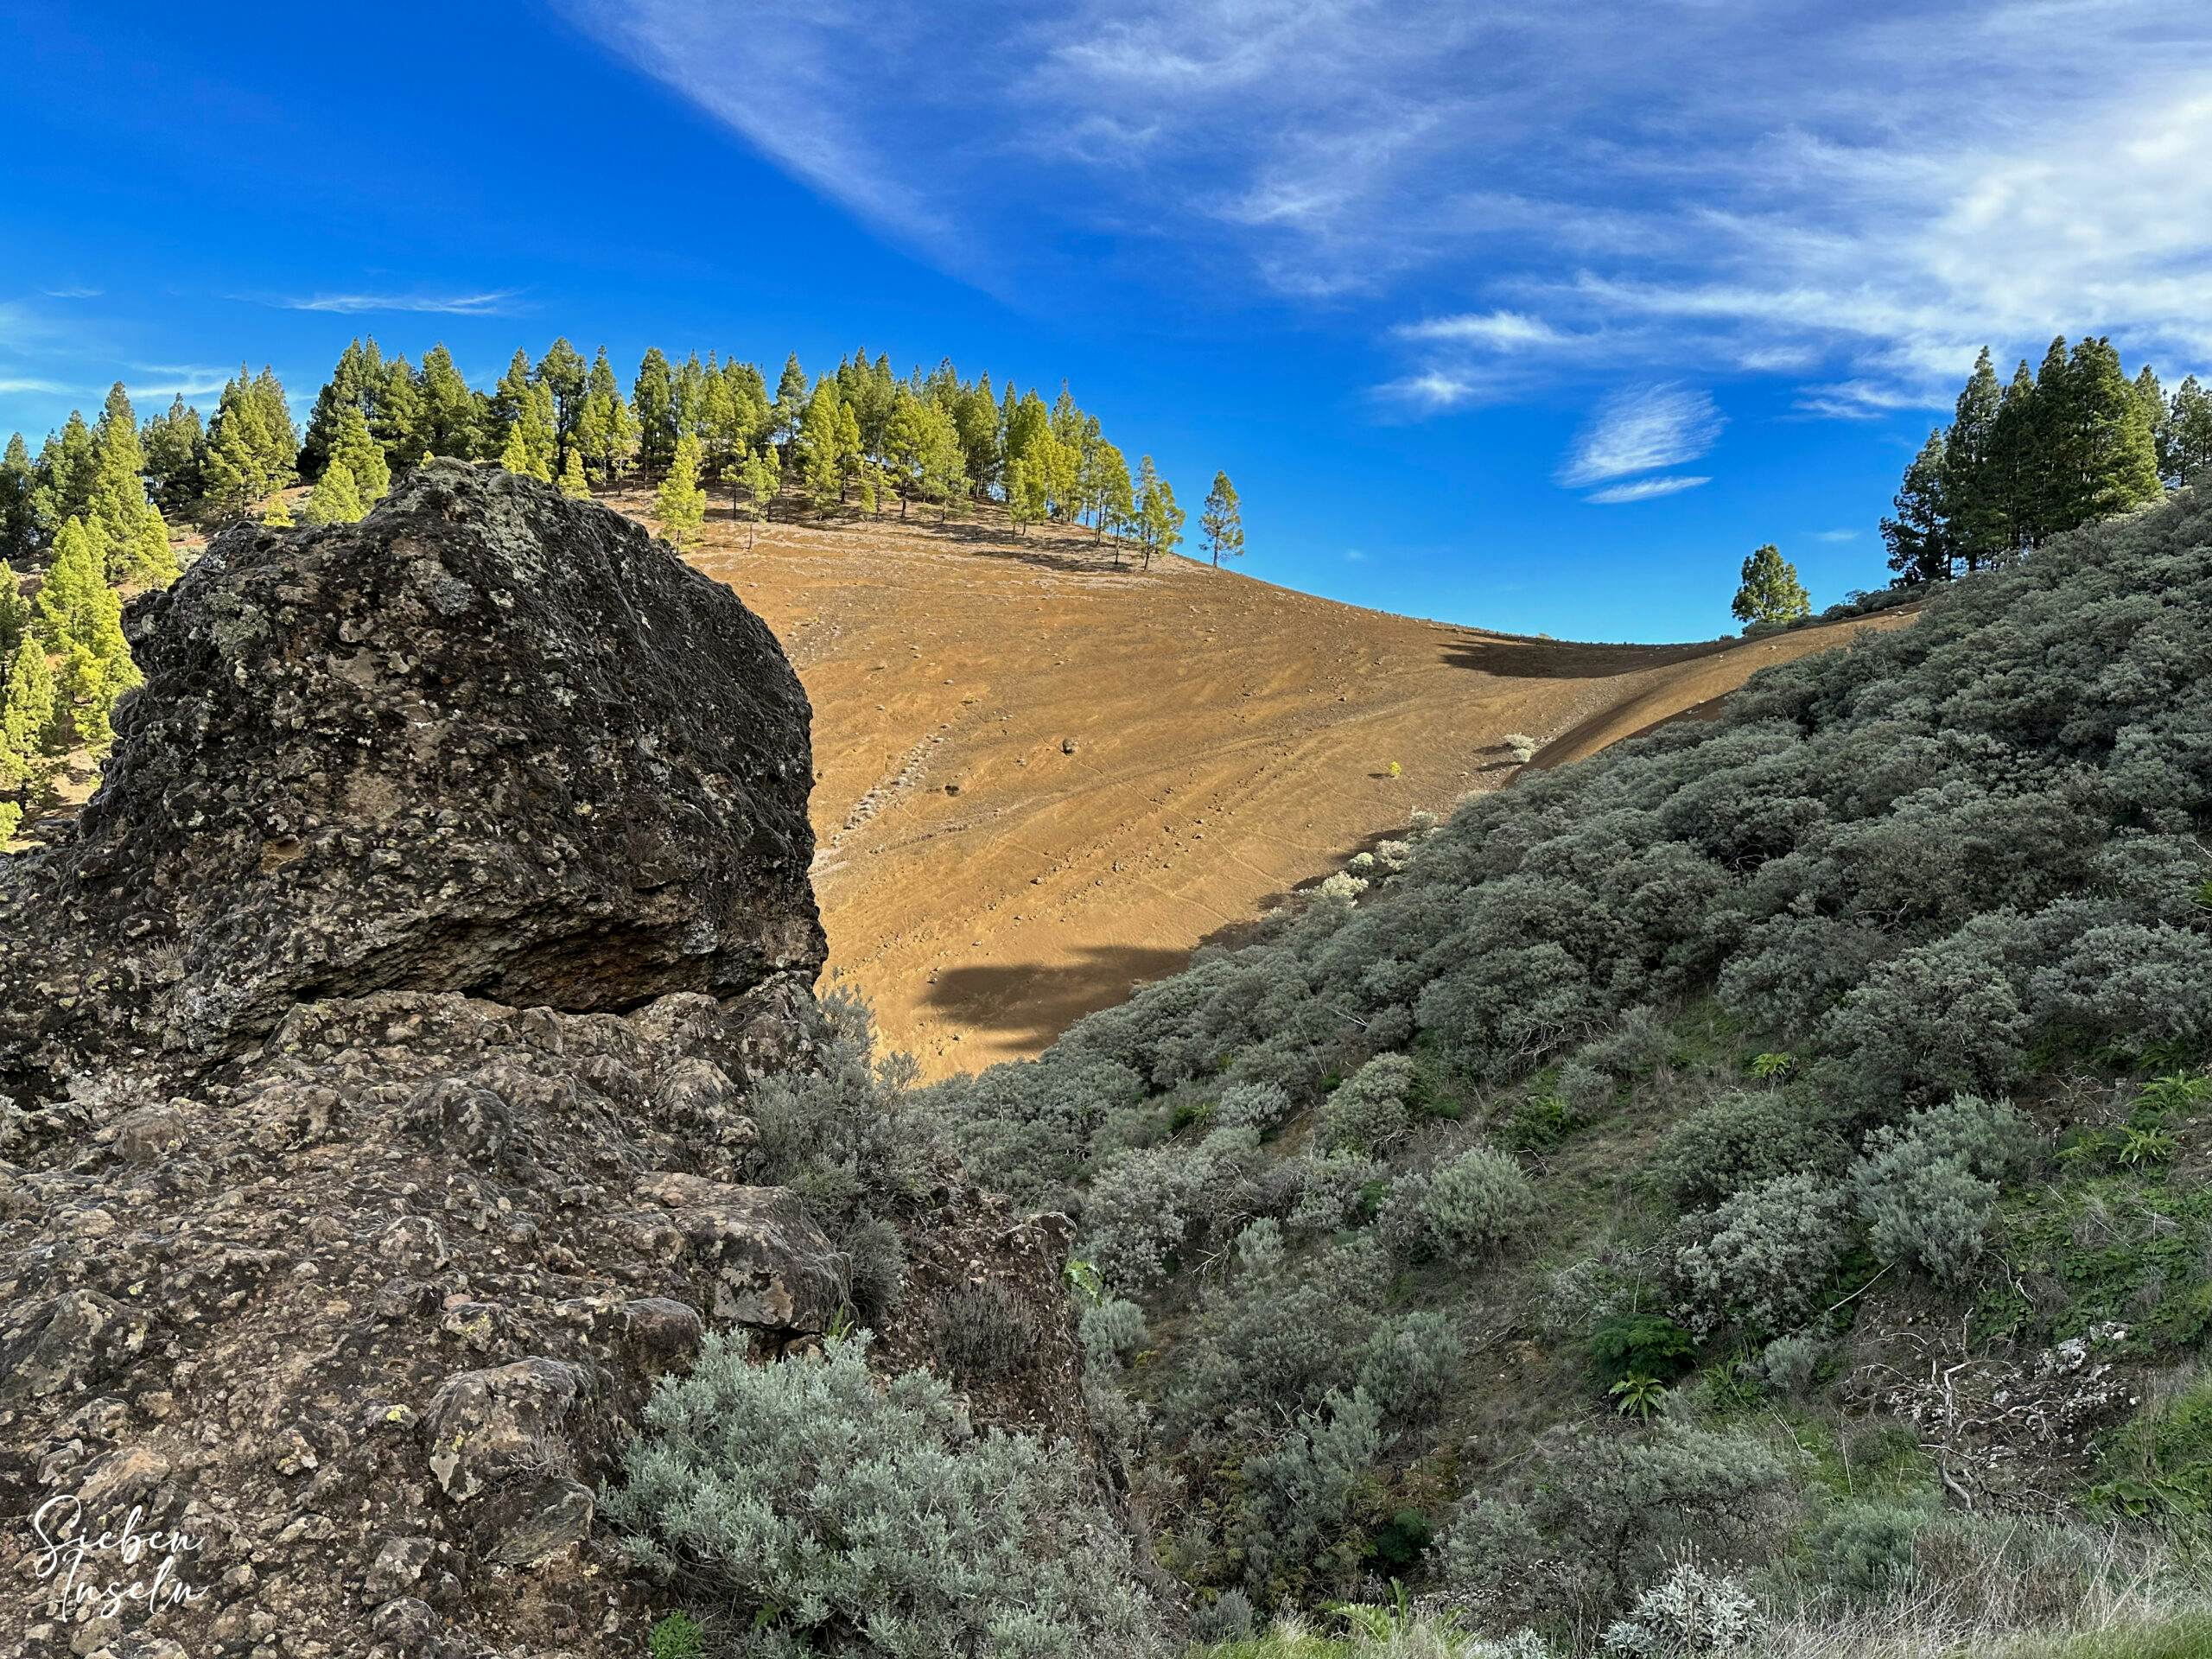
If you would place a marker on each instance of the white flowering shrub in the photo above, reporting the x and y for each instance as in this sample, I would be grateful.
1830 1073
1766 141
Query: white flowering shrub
1686 1615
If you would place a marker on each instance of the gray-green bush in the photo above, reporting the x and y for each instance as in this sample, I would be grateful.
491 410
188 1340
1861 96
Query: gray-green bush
828 1513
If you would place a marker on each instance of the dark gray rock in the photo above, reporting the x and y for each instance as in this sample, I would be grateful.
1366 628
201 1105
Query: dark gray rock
487 741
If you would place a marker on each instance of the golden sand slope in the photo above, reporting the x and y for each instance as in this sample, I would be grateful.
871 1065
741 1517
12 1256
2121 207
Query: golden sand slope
1041 780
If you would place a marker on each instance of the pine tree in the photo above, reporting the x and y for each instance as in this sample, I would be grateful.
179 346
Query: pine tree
14 611
818 449
1972 491
336 498
2015 477
1919 536
941 470
451 421
653 401
235 470
605 431
133 540
1113 502
172 442
510 396
27 736
1024 493
79 615
682 504
277 515
2111 453
398 425
1770 590
280 457
362 456
791 400
16 483
63 489
1159 521
349 387
758 480
2056 446
2184 436
562 372
1223 521
574 483
530 440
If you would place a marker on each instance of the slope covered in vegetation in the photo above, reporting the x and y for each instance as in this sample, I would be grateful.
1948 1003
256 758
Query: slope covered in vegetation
1780 1142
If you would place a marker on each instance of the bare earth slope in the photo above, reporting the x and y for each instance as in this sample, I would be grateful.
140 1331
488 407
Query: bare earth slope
1041 780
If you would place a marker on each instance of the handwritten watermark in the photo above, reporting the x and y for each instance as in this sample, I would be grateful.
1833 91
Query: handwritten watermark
138 1567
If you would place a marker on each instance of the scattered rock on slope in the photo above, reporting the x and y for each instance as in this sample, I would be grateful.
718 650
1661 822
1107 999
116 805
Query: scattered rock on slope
378 1130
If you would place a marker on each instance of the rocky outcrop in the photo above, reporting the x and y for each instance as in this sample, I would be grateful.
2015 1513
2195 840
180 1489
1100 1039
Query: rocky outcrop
487 742
375 1066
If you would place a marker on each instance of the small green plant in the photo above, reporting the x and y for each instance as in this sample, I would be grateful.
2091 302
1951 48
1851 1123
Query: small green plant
2142 1147
2203 897
1637 1396
678 1637
1401 1541
1641 1344
1378 1623
1540 1121
2176 1092
1084 1278
1773 1068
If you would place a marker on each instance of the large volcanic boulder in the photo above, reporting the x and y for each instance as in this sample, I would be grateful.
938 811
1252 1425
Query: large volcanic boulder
489 741
377 1061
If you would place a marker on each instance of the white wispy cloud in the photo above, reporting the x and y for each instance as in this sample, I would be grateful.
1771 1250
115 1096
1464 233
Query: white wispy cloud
1504 331
18 384
151 382
1835 536
1643 429
71 293
1853 198
1644 489
497 303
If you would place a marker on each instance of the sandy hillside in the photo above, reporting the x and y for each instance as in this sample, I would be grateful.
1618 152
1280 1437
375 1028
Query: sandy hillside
1040 780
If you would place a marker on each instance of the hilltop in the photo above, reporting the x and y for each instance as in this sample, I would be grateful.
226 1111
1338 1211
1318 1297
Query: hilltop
1042 779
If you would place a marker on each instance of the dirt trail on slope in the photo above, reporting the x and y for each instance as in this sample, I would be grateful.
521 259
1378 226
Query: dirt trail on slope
1041 780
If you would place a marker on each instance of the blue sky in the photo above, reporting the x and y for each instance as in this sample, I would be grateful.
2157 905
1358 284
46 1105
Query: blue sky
1532 317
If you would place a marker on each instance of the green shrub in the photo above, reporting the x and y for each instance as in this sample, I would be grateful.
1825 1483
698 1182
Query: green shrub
1640 1345
676 1636
836 1514
875 1271
1864 1551
1476 1203
1369 1111
1929 1189
1111 1330
1741 1139
1294 1530
1408 1366
1686 1615
980 1333
1610 1511
2160 1464
1765 1260
1261 1106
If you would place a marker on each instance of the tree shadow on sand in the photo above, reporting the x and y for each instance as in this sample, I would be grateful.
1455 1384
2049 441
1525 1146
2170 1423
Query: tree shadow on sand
1033 1002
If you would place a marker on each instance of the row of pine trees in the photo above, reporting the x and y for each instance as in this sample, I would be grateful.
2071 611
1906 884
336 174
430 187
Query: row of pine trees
85 507
2058 447
89 508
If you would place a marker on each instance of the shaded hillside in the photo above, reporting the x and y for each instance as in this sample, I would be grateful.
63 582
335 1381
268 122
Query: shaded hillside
1042 779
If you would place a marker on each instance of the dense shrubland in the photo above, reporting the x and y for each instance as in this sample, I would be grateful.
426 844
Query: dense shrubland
1778 1142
